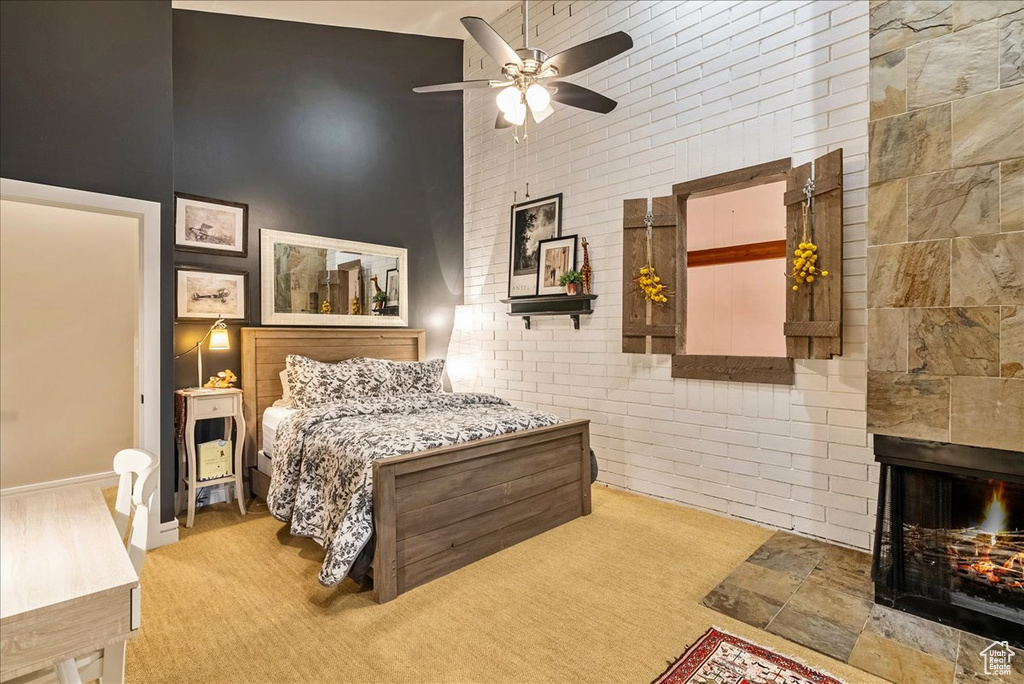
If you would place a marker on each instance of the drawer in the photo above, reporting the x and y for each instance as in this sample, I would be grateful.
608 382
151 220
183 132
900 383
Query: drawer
34 640
214 407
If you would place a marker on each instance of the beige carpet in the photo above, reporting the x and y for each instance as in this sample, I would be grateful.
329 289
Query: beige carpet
609 598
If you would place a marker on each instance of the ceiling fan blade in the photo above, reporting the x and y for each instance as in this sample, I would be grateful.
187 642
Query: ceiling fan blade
580 97
492 43
542 114
461 85
502 122
591 53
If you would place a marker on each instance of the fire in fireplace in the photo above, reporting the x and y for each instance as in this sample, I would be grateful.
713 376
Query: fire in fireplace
950 534
987 558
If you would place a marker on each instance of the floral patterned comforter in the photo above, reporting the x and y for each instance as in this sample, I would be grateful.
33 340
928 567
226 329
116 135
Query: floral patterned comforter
323 459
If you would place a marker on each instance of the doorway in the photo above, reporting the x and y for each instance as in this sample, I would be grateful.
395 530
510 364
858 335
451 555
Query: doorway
79 335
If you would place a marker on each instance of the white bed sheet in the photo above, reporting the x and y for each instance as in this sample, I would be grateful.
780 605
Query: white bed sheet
272 417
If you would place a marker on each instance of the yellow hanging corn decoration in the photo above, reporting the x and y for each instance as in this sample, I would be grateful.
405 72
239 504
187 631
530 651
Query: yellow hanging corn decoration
805 256
650 283
648 279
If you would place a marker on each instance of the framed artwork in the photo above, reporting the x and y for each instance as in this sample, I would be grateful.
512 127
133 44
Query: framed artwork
205 295
211 226
531 222
555 257
391 287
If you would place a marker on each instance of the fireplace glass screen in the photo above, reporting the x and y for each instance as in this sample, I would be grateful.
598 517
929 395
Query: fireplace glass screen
952 539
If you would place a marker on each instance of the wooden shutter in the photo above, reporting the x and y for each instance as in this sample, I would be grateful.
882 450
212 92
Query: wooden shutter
642 321
814 314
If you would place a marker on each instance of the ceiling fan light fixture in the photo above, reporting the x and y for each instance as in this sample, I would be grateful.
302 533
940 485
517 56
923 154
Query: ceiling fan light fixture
517 115
508 98
538 97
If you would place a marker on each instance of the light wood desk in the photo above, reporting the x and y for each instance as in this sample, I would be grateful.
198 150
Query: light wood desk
67 587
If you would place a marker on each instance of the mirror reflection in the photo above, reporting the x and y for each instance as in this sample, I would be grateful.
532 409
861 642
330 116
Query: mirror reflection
314 280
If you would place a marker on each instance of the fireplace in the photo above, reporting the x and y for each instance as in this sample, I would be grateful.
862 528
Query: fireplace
949 541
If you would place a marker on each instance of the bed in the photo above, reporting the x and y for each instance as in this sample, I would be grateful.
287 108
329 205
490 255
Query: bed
440 509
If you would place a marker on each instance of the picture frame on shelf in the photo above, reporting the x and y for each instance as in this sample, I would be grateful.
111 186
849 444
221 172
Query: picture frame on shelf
210 226
530 223
391 287
203 294
555 257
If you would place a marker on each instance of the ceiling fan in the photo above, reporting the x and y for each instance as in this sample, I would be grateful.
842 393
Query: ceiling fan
526 73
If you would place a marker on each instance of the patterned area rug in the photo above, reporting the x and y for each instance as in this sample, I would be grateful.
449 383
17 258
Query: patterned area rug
721 658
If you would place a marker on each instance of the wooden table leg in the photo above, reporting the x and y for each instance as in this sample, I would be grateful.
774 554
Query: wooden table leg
67 672
190 451
239 446
113 664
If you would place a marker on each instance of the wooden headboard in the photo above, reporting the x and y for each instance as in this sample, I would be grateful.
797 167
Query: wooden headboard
264 351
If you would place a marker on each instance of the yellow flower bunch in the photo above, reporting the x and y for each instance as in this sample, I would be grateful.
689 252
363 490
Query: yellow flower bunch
804 264
650 283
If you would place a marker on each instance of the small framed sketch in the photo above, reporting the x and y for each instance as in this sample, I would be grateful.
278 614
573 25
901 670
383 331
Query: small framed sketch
391 287
530 223
211 226
556 256
202 294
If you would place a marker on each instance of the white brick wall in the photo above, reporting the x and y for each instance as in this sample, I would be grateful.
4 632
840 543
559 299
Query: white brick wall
708 87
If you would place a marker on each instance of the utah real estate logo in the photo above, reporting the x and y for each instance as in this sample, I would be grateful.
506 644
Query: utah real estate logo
997 658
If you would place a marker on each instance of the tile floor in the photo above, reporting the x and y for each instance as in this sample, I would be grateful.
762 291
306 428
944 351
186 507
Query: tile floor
821 596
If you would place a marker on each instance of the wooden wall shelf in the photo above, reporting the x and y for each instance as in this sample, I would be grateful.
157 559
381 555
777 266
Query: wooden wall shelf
551 305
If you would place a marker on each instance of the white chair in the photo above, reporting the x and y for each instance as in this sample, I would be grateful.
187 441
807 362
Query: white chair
138 471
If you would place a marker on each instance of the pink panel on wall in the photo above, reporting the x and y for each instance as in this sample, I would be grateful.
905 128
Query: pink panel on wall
759 308
736 309
700 310
700 223
739 217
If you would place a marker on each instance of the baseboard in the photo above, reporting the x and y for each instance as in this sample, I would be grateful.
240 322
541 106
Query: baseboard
167 533
101 480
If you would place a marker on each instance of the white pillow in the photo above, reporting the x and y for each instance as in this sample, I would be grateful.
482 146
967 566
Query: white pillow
286 393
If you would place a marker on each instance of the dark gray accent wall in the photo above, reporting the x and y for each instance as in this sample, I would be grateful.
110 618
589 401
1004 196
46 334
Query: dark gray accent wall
317 129
86 103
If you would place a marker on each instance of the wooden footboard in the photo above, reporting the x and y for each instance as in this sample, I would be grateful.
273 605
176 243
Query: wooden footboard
436 511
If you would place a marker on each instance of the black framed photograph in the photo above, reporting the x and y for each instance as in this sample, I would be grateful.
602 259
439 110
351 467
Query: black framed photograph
210 226
555 257
203 294
530 223
391 287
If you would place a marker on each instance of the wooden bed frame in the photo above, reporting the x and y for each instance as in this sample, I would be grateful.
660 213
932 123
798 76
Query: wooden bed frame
438 510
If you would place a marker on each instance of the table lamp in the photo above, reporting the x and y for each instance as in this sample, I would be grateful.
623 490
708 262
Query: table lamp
218 334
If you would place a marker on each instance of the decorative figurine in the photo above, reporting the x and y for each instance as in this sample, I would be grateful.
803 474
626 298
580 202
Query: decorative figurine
586 271
354 306
380 297
222 380
325 307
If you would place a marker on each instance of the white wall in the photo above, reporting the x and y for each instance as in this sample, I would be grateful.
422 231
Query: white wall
708 87
68 309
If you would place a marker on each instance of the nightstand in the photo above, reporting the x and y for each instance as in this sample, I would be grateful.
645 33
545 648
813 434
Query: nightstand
203 404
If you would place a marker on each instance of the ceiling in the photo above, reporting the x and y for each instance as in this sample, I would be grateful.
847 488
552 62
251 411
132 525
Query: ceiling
423 17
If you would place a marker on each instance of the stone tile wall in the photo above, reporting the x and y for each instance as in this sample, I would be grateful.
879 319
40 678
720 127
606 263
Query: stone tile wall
945 228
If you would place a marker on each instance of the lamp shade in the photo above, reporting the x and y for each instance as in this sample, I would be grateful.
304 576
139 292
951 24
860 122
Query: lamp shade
538 97
219 339
508 98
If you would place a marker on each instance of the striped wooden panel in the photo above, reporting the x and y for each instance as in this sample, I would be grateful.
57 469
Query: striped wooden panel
263 358
468 481
432 567
465 506
409 479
